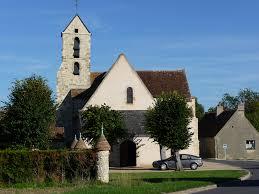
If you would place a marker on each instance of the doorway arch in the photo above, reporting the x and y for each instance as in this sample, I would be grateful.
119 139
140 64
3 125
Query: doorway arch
128 153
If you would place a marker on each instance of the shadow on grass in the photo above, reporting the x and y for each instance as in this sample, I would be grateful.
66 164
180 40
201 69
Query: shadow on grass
220 182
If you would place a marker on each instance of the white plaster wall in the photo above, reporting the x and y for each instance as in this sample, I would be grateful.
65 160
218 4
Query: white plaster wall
148 152
191 104
66 80
113 89
194 146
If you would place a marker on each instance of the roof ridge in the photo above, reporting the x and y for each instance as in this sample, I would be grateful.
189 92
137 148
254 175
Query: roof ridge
177 70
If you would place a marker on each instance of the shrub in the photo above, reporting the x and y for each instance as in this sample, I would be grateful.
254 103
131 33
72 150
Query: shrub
19 166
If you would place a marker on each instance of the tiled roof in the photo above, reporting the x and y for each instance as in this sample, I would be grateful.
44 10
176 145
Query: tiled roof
72 21
160 81
96 79
211 124
165 81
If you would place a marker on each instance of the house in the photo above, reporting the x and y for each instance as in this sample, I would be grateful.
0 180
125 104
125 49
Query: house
228 135
122 88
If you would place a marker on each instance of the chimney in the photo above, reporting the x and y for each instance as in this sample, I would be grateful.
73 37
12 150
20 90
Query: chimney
220 109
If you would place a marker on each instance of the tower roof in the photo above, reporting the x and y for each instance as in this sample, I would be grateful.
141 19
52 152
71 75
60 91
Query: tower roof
77 16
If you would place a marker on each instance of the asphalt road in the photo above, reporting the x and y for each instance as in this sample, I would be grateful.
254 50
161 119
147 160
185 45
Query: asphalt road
250 186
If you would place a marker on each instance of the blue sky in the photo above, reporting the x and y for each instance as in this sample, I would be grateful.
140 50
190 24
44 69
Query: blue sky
216 42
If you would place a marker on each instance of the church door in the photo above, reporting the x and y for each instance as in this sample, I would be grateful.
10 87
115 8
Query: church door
128 153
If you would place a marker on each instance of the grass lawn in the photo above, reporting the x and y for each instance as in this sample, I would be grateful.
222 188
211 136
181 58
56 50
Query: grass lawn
135 183
157 182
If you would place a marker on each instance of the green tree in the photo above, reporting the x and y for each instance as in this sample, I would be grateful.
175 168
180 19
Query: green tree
212 109
251 100
167 123
229 102
29 113
199 109
95 116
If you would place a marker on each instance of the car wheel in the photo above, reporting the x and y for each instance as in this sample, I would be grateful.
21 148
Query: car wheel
194 166
163 167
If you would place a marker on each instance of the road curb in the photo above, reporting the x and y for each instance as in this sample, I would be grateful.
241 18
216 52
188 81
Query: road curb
209 187
195 190
247 176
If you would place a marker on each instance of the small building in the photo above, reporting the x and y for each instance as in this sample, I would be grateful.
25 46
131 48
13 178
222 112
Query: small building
228 135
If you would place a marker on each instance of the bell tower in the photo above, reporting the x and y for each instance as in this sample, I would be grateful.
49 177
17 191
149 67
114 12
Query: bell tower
74 72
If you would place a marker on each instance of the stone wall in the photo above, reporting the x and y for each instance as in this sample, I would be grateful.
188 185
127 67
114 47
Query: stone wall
207 147
102 164
64 117
235 133
66 80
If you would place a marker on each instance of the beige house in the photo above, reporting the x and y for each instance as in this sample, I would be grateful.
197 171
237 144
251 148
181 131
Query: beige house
228 135
122 88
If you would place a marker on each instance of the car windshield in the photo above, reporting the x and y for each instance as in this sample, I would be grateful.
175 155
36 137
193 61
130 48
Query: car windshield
185 157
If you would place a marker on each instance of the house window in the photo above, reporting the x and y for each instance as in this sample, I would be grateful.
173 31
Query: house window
129 95
250 144
76 68
76 30
76 47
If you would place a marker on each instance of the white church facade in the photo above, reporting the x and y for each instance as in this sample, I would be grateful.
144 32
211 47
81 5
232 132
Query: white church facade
122 88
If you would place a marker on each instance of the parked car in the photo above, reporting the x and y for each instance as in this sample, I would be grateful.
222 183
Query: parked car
188 161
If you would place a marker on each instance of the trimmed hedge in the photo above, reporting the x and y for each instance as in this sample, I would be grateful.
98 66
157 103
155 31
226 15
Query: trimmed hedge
19 166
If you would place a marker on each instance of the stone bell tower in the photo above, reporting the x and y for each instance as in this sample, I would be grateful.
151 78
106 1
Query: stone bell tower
74 72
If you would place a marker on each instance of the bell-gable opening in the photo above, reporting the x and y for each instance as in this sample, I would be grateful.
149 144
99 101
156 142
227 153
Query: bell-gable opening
76 68
76 47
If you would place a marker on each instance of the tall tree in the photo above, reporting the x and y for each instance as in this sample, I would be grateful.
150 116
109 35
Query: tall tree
95 116
251 100
167 123
229 102
212 109
29 113
199 109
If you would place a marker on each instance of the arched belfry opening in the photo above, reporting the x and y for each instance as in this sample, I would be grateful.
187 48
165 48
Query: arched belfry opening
128 153
76 68
76 47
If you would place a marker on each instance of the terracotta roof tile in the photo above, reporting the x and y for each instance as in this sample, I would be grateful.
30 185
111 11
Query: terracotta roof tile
165 81
161 81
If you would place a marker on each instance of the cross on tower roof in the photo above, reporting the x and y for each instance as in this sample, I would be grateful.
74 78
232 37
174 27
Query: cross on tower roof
76 6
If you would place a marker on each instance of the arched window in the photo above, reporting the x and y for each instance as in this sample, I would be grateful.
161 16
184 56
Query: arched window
129 95
76 47
76 68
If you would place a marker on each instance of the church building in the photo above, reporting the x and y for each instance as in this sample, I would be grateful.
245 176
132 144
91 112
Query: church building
121 87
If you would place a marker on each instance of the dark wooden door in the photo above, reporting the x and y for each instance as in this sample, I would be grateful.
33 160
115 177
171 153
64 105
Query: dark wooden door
128 153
